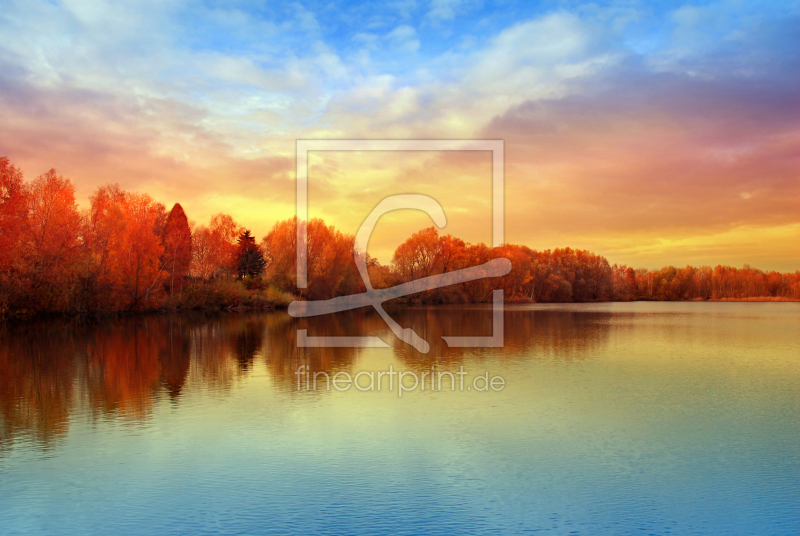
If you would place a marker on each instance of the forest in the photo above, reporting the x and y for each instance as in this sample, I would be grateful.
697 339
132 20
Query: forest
126 252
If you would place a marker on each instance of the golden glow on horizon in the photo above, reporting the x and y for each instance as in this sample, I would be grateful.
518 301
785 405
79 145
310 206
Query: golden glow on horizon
345 186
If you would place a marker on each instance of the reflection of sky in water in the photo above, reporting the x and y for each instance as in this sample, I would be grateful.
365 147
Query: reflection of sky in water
615 418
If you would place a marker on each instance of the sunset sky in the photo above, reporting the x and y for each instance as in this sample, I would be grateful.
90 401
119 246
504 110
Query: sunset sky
650 133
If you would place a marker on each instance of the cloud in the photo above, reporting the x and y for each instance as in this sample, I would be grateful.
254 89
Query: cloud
457 94
654 157
404 38
446 10
155 145
538 53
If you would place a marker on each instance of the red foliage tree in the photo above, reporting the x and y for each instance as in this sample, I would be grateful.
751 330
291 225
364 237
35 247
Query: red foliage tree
177 242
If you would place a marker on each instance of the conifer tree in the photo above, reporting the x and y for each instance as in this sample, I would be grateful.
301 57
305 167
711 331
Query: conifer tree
249 257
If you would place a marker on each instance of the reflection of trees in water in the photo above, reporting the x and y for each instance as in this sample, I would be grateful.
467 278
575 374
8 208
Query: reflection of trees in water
529 333
175 356
119 367
213 364
284 358
122 366
224 348
37 369
247 341
556 334
553 334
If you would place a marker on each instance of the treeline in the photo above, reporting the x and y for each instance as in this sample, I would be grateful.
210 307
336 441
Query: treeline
126 252
568 275
559 275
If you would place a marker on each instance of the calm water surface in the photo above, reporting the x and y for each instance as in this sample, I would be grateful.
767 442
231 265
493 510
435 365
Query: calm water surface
645 418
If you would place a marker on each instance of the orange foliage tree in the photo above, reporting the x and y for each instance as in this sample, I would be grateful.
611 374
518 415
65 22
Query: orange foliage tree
331 267
13 212
52 243
177 241
135 254
123 261
214 247
39 238
13 220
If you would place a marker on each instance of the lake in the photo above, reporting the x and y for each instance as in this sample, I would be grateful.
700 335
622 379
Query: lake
613 418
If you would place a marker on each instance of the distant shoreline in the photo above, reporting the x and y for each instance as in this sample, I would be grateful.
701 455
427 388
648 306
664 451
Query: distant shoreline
759 299
273 307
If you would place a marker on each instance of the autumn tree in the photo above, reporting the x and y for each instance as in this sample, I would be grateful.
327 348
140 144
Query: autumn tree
102 226
13 217
13 211
214 248
479 290
177 242
514 284
451 252
280 251
330 264
418 256
249 257
123 259
51 241
136 252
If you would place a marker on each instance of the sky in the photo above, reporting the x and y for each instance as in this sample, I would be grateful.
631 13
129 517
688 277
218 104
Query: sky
653 133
